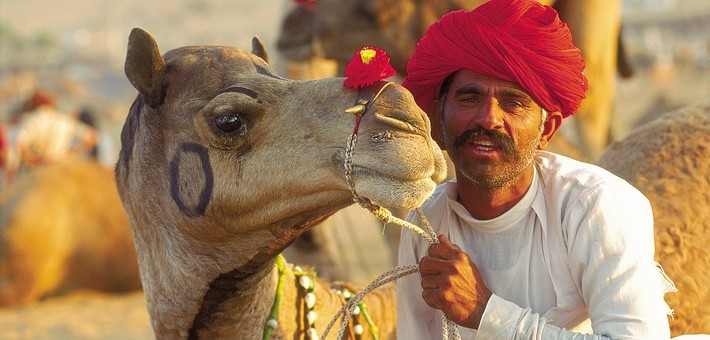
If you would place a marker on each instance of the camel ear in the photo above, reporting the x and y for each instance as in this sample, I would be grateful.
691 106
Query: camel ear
145 67
258 49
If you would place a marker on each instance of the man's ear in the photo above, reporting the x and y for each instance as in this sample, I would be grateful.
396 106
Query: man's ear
551 125
435 119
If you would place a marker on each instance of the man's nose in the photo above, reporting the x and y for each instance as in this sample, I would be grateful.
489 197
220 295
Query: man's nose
490 115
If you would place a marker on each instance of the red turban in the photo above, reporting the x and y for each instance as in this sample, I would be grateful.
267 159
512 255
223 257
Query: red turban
520 41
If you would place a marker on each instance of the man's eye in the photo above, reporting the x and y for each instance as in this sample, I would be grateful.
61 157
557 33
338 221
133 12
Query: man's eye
514 104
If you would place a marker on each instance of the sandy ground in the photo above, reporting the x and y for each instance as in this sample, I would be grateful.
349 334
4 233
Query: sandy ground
89 315
81 315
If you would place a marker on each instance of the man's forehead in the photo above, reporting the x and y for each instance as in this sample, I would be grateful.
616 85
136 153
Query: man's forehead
470 78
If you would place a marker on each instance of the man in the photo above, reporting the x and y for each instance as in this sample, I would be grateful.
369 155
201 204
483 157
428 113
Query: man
45 135
533 244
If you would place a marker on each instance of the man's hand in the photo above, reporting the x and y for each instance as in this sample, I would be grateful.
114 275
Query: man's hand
452 283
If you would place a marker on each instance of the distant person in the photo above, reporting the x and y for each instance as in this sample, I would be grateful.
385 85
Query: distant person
88 117
4 148
44 135
533 245
4 156
39 98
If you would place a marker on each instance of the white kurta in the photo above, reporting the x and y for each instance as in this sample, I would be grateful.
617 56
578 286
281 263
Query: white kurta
577 247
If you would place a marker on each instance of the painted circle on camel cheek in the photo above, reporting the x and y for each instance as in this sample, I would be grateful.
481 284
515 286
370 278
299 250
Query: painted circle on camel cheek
191 179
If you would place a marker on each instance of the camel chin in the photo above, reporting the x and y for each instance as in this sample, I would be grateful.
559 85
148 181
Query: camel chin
405 195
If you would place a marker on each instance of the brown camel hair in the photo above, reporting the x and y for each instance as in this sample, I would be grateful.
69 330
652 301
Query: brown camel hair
224 164
335 29
667 160
62 228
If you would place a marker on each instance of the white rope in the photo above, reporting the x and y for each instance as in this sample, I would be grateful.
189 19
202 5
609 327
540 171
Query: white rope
449 328
348 309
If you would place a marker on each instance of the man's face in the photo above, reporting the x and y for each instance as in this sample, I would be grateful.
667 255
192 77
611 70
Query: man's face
490 128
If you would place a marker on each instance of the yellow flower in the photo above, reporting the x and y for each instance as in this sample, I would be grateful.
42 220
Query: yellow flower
367 55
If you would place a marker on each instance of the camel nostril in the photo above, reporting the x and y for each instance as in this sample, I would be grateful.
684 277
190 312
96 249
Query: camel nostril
391 113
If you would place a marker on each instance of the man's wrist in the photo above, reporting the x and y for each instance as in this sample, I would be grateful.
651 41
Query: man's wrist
475 320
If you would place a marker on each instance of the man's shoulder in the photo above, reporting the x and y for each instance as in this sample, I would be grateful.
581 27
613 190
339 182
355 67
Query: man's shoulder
558 168
567 177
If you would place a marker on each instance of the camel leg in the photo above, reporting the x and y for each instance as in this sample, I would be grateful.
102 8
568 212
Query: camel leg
595 28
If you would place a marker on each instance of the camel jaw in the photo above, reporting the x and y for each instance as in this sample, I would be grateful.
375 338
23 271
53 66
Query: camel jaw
400 194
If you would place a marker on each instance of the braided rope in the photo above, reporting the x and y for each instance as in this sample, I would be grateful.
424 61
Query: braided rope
347 310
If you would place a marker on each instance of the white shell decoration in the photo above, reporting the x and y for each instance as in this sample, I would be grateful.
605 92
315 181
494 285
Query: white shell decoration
311 317
312 334
304 281
310 299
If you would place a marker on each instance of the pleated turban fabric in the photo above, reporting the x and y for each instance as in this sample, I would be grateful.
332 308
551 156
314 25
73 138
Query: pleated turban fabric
520 41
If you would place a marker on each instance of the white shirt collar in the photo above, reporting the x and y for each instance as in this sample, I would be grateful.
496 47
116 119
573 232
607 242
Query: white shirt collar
497 224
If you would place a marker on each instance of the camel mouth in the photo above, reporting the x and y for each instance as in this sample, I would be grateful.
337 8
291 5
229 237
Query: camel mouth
395 175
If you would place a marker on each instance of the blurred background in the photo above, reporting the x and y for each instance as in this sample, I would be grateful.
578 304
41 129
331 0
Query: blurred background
68 55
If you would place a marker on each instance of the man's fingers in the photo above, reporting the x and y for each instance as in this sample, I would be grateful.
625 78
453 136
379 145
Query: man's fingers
432 297
430 282
444 249
430 265
445 241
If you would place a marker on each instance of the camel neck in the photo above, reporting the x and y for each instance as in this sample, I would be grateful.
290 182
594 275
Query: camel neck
228 285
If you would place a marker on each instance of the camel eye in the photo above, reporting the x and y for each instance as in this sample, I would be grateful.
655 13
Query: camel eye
228 124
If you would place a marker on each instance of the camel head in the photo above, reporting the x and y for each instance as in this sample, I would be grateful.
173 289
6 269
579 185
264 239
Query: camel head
224 163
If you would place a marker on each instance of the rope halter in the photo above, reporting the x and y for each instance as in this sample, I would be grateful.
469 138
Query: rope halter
449 328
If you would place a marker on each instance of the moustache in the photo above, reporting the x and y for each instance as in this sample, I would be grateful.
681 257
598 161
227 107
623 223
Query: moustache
498 138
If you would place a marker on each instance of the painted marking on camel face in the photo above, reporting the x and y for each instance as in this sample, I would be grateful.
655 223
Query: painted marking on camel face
244 90
128 133
190 189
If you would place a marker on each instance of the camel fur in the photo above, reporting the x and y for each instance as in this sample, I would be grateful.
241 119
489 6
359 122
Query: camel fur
332 30
224 164
62 228
667 160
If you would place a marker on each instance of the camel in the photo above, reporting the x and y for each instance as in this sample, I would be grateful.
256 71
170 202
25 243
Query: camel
335 29
667 160
62 228
224 164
